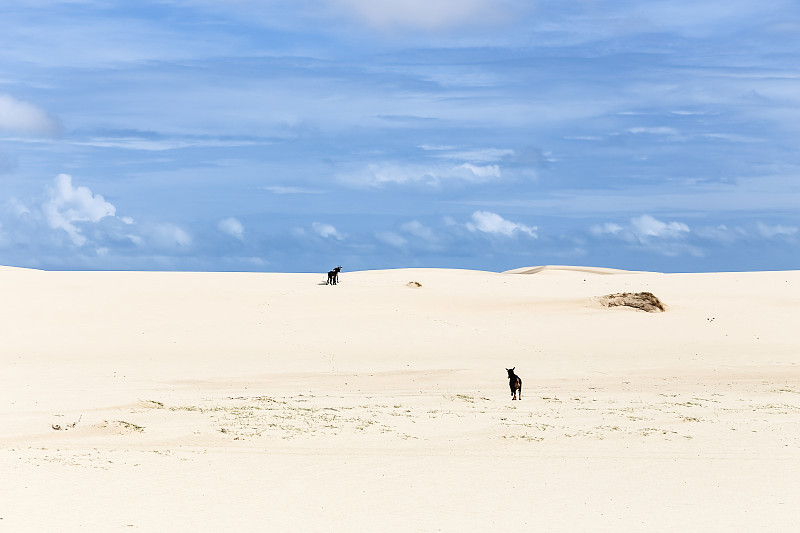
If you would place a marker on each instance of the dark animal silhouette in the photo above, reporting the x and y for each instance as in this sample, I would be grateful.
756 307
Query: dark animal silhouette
333 276
515 382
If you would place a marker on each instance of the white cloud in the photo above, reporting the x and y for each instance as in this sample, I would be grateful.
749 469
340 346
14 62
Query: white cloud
159 145
135 239
731 137
326 231
488 171
722 233
687 113
494 224
169 236
21 117
666 238
583 138
436 147
76 226
779 230
646 226
68 205
418 229
282 189
426 14
16 207
660 130
481 155
392 239
232 227
376 175
609 228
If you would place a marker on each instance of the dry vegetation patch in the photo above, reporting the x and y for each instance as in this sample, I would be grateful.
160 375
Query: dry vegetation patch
646 301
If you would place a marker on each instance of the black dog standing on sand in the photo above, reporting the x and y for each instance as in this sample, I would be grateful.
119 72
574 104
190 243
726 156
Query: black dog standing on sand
515 382
333 276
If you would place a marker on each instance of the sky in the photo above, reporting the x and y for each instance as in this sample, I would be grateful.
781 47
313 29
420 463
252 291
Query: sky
276 136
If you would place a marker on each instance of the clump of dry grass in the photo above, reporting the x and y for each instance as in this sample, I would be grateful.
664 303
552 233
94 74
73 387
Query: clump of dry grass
125 425
414 284
59 427
646 301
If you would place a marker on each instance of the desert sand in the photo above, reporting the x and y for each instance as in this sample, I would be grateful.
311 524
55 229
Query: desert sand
194 402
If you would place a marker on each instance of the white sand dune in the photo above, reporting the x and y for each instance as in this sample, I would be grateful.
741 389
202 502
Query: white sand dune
269 402
566 268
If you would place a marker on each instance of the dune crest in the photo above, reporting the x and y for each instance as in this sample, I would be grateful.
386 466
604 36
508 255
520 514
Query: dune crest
567 268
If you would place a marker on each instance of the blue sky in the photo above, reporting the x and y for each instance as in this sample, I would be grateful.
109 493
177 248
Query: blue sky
261 135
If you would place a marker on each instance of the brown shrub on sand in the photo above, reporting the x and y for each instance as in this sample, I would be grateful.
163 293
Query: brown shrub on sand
646 301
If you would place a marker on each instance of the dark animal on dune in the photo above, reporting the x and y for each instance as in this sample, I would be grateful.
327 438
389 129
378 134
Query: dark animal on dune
333 276
515 383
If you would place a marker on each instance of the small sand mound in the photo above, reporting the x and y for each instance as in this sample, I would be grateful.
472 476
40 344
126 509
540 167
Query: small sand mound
646 301
414 284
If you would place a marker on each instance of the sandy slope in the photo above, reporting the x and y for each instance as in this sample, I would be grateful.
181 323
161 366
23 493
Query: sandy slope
269 402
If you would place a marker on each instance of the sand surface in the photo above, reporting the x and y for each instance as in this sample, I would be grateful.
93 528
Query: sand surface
270 402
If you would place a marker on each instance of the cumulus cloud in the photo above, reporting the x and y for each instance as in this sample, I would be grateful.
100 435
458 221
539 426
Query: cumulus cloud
326 231
71 226
646 226
666 238
68 205
643 229
20 117
232 227
494 224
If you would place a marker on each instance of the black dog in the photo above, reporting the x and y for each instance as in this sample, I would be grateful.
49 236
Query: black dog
333 276
515 382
